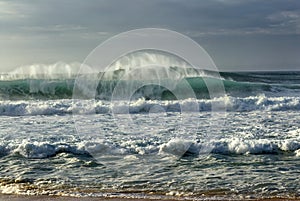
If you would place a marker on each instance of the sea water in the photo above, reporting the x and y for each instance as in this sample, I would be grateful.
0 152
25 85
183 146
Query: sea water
249 147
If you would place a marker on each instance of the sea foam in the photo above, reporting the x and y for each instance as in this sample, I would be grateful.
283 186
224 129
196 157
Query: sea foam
176 146
68 106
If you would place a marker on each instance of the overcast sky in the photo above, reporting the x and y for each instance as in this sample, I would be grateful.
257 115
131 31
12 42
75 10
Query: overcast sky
238 34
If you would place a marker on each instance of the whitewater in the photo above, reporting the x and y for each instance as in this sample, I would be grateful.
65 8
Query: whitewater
244 143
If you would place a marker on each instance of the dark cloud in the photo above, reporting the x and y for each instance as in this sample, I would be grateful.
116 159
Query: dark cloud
69 29
116 15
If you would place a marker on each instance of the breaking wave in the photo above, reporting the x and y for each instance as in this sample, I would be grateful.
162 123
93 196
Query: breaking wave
27 89
175 147
67 106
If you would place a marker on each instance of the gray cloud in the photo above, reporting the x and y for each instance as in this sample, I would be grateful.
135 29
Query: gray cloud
68 29
116 15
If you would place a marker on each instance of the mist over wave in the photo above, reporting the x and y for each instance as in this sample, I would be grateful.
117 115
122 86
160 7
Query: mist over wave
115 70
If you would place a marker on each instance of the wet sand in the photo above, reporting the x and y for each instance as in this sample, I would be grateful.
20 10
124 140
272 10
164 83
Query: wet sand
59 198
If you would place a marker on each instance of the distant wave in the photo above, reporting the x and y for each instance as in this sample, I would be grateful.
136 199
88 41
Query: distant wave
57 81
27 89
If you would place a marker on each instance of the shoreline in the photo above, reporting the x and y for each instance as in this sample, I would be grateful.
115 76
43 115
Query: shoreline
14 197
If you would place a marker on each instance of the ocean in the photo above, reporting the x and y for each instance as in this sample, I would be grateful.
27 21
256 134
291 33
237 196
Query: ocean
242 144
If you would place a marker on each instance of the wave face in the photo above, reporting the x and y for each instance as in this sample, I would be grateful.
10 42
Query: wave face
236 85
36 89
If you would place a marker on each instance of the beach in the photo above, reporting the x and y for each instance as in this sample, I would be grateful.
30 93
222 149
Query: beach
54 198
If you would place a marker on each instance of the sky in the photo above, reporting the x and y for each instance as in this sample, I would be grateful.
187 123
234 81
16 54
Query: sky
240 35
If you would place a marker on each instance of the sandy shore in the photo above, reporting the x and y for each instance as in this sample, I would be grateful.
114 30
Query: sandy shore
56 198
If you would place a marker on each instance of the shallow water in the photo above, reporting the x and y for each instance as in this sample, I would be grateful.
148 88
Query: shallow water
250 153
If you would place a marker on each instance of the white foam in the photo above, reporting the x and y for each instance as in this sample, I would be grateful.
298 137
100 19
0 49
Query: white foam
11 189
289 145
255 146
295 133
297 152
67 106
36 150
100 147
177 147
241 146
39 150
